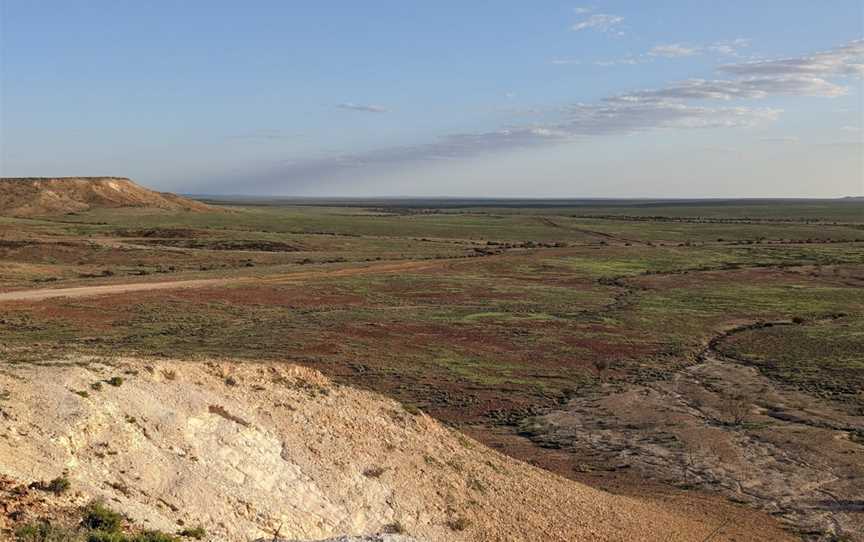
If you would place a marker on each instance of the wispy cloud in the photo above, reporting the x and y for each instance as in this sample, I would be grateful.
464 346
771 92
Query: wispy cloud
599 21
750 88
623 118
845 60
783 139
639 111
582 10
674 50
677 50
577 121
729 47
797 76
623 61
366 108
263 134
565 61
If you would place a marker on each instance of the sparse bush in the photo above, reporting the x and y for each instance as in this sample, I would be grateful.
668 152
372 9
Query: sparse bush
115 381
96 386
98 517
374 472
116 536
602 364
458 524
476 485
153 536
98 524
58 485
106 536
412 409
198 533
46 532
394 528
146 536
737 409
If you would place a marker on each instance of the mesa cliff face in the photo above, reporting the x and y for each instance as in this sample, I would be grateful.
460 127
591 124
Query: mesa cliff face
26 197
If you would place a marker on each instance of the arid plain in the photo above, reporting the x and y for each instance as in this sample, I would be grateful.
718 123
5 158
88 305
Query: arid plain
704 358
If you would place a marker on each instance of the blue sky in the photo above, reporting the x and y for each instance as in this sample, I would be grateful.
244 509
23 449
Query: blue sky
505 98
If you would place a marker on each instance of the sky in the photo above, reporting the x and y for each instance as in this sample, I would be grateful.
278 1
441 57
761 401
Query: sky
505 98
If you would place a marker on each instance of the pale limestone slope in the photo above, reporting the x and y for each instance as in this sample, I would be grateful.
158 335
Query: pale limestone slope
279 447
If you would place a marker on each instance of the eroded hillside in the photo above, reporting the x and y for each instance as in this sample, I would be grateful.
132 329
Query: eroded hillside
25 197
251 450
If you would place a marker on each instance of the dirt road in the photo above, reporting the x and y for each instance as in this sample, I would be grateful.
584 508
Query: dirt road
40 294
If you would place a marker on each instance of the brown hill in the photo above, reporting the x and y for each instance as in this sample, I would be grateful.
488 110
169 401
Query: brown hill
51 196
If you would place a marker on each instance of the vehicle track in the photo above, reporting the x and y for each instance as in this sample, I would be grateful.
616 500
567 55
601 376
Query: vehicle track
40 294
602 235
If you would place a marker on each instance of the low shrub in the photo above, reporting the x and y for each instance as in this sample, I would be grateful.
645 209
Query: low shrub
198 533
98 517
57 485
458 524
46 532
374 472
394 528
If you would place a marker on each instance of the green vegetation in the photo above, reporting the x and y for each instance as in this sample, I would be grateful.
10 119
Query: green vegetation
822 357
517 306
394 528
197 533
98 517
57 485
47 532
459 523
482 316
98 524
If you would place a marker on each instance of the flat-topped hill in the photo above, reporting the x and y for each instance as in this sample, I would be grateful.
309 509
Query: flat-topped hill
39 196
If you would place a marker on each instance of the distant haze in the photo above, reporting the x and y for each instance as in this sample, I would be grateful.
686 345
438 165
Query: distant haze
511 99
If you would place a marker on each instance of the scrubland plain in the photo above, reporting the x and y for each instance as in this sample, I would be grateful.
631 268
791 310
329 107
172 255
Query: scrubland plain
699 354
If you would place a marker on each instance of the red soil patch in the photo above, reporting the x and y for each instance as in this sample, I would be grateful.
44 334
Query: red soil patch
605 349
703 279
86 314
276 296
505 343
